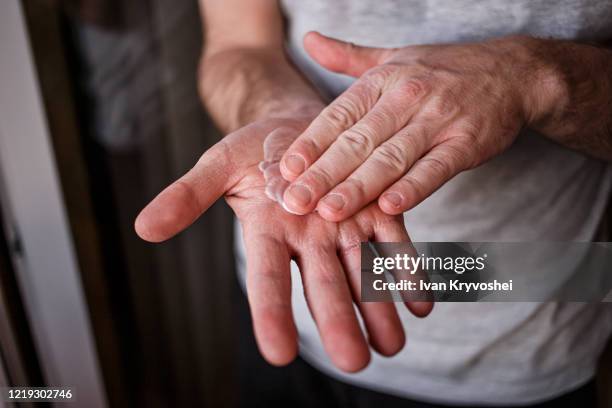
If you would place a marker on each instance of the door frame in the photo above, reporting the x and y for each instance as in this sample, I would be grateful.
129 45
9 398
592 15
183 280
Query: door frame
45 264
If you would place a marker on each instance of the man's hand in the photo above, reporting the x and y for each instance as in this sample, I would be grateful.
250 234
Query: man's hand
327 253
416 117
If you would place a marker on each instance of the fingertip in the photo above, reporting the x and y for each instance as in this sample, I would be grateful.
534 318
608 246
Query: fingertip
392 344
326 51
313 40
286 174
292 166
276 338
333 207
330 215
280 355
386 334
420 309
173 210
347 348
141 226
312 36
297 199
278 360
391 203
155 223
352 363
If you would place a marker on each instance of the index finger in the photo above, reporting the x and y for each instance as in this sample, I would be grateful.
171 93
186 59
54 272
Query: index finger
339 116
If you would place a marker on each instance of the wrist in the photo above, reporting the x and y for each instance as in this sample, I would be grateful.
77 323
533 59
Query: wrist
243 85
537 76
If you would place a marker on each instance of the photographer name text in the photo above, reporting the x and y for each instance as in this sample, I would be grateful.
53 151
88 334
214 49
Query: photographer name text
452 285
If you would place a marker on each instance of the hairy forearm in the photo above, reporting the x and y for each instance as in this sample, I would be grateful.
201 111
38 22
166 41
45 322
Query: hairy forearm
571 100
241 85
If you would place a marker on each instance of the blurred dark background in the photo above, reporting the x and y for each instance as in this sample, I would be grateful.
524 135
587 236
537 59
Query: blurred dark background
118 81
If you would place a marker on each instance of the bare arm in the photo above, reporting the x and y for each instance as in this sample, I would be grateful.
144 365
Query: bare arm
572 102
245 74
419 115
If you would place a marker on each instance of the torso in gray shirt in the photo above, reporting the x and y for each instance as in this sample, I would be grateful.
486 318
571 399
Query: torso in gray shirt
537 190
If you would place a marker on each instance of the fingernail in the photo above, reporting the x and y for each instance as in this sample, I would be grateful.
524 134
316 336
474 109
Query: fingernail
295 164
334 201
394 199
300 194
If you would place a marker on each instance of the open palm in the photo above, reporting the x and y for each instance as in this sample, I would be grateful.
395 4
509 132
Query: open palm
327 253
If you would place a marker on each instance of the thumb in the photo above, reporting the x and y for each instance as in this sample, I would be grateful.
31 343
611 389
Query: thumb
343 57
181 203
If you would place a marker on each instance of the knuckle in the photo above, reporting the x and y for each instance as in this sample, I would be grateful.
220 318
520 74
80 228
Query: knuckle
358 139
386 118
438 165
414 135
319 177
468 140
415 141
356 188
392 155
412 185
341 115
414 89
461 155
469 135
442 106
307 147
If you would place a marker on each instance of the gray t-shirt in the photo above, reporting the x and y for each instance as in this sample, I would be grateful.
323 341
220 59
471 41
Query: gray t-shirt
470 353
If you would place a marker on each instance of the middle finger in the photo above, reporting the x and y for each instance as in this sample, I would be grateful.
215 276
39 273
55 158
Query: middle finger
347 153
